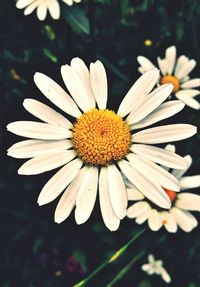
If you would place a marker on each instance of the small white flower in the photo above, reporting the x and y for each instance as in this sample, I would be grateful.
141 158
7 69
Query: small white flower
99 145
182 204
175 72
42 7
156 267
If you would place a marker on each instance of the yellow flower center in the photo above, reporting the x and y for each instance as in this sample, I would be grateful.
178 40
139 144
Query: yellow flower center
172 80
171 194
100 137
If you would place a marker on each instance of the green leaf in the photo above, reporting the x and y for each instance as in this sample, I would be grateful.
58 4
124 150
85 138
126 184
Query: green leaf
49 55
77 19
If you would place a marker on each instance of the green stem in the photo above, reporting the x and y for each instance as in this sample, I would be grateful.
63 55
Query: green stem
125 269
110 259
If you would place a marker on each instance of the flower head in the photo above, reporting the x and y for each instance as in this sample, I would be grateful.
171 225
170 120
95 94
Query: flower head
156 267
42 6
99 145
177 73
182 203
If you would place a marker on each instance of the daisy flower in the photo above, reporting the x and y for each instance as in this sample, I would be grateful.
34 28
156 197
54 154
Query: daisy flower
156 267
42 6
182 204
99 144
175 72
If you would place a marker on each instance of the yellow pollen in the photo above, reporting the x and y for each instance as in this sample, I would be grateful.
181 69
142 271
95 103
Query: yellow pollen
172 80
100 137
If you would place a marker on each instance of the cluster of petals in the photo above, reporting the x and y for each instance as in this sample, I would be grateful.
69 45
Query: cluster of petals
179 68
42 7
156 267
179 214
50 143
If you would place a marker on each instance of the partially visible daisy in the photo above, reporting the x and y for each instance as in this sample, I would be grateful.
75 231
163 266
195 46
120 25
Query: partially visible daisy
156 267
99 144
176 72
42 7
182 204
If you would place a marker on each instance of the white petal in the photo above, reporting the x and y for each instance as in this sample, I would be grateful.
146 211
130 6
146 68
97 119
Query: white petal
154 171
76 88
181 61
82 71
56 94
33 148
170 56
189 182
186 69
134 194
194 83
117 191
59 182
38 130
164 111
149 188
68 199
188 201
162 65
47 162
45 113
159 155
138 92
54 9
110 219
86 195
186 96
21 4
167 133
179 173
99 83
182 219
165 276
144 216
153 101
168 221
32 7
170 148
137 209
42 11
154 220
145 63
146 267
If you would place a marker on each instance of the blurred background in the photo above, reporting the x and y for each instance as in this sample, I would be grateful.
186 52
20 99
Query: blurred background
35 251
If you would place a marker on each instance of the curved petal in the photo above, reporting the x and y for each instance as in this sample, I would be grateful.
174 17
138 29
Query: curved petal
181 61
117 191
42 11
189 182
47 162
188 201
138 92
168 221
56 94
163 134
144 216
45 113
162 63
154 220
86 195
110 219
145 64
179 173
152 170
134 194
33 148
164 111
153 101
170 56
182 219
148 187
99 83
194 83
159 155
21 4
38 130
59 182
186 69
54 9
137 209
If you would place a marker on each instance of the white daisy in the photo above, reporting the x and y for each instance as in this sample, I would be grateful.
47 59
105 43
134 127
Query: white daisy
156 267
99 144
42 7
182 204
176 72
